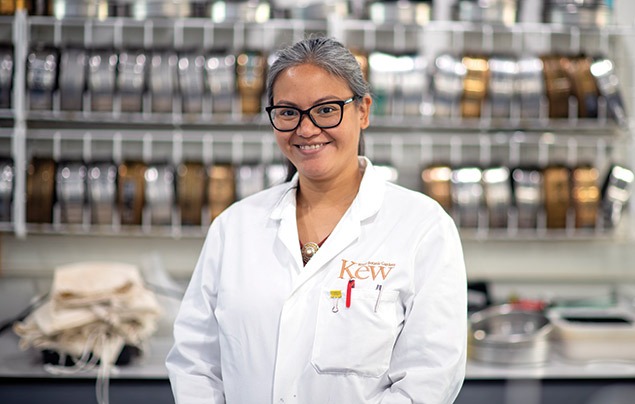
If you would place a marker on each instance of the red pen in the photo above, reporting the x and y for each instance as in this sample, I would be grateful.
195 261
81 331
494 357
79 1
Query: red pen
349 289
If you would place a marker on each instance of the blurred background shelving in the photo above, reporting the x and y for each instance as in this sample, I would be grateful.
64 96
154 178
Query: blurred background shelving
403 142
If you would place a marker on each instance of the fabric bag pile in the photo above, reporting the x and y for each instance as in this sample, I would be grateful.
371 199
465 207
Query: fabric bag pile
93 310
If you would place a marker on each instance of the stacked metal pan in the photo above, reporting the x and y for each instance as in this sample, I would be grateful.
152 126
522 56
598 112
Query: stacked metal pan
553 197
577 12
133 192
6 77
105 80
490 11
7 180
41 77
509 335
550 86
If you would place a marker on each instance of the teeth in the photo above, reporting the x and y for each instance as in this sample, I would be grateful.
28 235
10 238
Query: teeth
310 146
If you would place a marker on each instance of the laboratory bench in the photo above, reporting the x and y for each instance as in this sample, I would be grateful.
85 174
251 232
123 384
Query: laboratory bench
24 380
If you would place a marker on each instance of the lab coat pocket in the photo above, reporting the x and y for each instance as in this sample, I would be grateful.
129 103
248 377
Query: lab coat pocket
356 339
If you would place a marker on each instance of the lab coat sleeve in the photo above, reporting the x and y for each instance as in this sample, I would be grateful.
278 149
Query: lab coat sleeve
429 357
193 363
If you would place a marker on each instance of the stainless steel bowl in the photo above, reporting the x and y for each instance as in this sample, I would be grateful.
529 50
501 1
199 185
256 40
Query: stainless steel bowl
507 335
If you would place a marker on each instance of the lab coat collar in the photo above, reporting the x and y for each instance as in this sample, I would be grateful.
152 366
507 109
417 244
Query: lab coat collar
286 200
367 203
371 191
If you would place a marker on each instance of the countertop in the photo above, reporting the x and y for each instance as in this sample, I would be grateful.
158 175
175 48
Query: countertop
16 294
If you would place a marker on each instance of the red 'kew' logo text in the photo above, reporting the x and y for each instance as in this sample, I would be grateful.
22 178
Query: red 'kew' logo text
365 270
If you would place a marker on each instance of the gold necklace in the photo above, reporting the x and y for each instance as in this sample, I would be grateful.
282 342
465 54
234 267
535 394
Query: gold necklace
308 251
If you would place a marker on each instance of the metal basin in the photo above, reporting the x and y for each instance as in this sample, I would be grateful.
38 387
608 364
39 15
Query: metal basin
507 335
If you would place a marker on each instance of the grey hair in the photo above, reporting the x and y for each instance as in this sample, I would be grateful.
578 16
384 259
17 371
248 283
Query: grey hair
323 52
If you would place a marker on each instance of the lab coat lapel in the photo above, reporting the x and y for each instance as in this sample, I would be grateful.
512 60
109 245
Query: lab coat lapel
344 234
284 213
366 203
288 235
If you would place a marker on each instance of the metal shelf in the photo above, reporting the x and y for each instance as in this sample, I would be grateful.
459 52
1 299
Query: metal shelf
419 124
156 231
176 33
93 31
199 232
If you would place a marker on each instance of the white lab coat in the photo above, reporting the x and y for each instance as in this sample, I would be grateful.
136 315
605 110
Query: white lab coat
256 326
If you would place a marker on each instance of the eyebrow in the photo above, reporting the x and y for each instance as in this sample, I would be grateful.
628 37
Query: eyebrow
318 101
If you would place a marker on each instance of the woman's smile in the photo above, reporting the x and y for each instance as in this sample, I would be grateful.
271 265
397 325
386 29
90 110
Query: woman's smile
311 147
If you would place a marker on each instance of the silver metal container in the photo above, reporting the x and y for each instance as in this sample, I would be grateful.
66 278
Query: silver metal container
487 11
160 193
6 77
447 79
467 195
530 86
609 87
616 192
502 85
248 11
131 79
528 195
163 80
400 12
383 82
71 190
399 83
80 8
578 12
413 84
220 75
191 81
41 77
101 190
142 9
102 67
312 9
509 336
72 78
7 179
498 195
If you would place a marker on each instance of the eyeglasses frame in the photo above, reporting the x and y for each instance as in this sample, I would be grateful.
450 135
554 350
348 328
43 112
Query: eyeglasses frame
341 103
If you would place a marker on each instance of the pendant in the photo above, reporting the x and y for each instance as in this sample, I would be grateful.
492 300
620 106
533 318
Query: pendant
308 251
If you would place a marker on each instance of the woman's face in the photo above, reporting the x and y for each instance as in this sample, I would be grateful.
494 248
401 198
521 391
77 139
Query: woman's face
319 154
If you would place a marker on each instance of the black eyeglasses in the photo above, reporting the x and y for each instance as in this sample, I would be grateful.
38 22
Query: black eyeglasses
324 115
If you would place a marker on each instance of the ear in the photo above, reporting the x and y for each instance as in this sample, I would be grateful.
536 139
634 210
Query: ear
364 111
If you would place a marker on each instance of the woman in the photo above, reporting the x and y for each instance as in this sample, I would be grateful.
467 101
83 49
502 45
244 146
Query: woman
334 287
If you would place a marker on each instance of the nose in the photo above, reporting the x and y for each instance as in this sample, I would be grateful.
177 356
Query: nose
307 128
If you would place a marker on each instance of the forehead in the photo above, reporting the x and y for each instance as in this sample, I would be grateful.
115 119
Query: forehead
308 80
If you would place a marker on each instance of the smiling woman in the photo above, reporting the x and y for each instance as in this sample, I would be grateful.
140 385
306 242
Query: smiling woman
263 303
319 148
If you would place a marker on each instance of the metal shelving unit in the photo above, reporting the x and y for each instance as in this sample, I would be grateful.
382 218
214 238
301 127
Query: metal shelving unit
407 142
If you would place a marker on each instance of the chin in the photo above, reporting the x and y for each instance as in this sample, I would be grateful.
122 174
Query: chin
314 171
